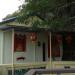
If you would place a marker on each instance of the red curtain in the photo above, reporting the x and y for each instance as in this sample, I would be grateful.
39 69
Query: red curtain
19 42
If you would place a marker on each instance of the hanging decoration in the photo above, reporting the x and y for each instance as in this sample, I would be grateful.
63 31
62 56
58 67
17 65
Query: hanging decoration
69 39
58 38
19 42
33 36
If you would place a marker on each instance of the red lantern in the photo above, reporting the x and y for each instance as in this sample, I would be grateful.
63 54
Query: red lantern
69 39
58 38
33 36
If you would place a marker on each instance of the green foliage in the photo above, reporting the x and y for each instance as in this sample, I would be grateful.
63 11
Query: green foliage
42 13
41 9
15 14
40 5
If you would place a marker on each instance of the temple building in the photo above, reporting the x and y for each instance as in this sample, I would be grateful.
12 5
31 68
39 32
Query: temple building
22 48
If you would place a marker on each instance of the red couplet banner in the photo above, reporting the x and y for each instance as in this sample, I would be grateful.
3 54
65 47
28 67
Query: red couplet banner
19 42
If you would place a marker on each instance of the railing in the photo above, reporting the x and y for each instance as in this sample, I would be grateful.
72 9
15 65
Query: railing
27 67
50 71
21 69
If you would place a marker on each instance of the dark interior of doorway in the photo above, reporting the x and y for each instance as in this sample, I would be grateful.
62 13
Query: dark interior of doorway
68 49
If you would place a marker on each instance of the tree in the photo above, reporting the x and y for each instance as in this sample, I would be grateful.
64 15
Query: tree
54 14
15 14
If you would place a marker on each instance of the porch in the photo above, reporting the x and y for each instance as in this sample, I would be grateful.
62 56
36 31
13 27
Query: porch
46 52
21 69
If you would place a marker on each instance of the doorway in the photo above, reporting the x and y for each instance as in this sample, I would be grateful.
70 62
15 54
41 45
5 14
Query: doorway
68 47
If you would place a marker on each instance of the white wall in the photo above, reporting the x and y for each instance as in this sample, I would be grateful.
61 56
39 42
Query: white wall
43 38
1 46
7 47
33 51
28 54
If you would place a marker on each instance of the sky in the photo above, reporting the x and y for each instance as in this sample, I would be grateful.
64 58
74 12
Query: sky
8 7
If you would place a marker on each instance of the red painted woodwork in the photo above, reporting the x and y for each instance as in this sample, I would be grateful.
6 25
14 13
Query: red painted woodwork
19 42
58 38
69 39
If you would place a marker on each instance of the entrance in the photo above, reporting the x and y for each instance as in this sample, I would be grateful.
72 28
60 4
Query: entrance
68 47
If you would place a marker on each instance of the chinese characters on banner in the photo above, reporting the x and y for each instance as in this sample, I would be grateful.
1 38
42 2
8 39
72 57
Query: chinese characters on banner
19 42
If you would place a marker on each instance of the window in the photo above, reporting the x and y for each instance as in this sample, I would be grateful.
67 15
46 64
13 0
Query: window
19 42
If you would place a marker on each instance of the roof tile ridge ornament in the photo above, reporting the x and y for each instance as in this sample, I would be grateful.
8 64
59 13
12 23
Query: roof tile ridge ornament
8 20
